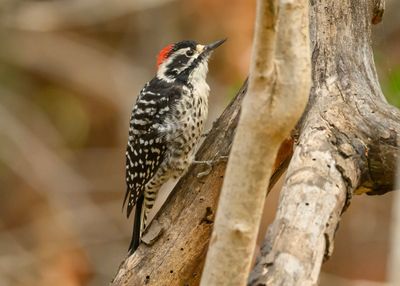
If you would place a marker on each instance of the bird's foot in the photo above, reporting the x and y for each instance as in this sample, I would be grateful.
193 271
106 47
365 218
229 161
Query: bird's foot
209 164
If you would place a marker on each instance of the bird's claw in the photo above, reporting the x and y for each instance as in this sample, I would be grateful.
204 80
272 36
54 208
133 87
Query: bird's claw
210 164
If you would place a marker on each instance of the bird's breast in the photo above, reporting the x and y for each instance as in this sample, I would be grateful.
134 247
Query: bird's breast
190 114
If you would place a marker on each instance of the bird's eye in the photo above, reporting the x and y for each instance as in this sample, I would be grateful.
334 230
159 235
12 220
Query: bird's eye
189 53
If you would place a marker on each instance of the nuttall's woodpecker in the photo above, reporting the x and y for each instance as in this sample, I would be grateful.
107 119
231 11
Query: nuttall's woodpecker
167 122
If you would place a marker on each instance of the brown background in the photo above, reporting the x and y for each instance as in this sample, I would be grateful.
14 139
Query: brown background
69 74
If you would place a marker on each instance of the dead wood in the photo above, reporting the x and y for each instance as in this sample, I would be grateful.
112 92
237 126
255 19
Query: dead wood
348 143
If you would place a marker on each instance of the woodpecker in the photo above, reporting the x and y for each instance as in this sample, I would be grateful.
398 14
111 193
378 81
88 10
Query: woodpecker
166 124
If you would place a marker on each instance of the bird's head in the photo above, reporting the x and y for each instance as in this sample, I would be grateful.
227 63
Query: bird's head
184 60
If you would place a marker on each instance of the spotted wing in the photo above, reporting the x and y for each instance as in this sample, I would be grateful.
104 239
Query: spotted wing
147 145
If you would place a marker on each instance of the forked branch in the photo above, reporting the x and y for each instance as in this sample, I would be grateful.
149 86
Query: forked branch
349 143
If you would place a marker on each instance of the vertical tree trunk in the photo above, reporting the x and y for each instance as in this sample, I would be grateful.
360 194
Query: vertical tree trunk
279 84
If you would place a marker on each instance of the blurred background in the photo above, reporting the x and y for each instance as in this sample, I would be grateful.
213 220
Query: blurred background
69 74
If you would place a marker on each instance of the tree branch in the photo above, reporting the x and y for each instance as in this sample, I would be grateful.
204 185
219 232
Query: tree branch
279 83
349 143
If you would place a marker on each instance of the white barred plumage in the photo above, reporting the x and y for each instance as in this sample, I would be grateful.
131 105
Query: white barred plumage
166 124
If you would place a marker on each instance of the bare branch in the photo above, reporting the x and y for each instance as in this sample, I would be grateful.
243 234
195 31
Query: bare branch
279 86
349 143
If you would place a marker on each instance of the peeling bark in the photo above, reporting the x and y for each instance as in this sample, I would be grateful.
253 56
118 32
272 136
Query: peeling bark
348 144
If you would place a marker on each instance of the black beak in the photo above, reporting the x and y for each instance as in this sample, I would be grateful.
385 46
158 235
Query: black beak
214 45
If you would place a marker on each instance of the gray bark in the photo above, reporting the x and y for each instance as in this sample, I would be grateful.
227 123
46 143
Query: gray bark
279 86
348 144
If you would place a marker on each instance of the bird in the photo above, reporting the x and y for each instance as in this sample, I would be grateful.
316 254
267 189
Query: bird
165 126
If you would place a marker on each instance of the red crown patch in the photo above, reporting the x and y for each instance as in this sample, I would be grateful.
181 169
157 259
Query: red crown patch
164 53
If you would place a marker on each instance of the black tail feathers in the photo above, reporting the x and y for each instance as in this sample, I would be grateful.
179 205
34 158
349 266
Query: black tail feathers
136 226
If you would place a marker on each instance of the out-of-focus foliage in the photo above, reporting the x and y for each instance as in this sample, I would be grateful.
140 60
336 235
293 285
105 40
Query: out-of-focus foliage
392 87
69 74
